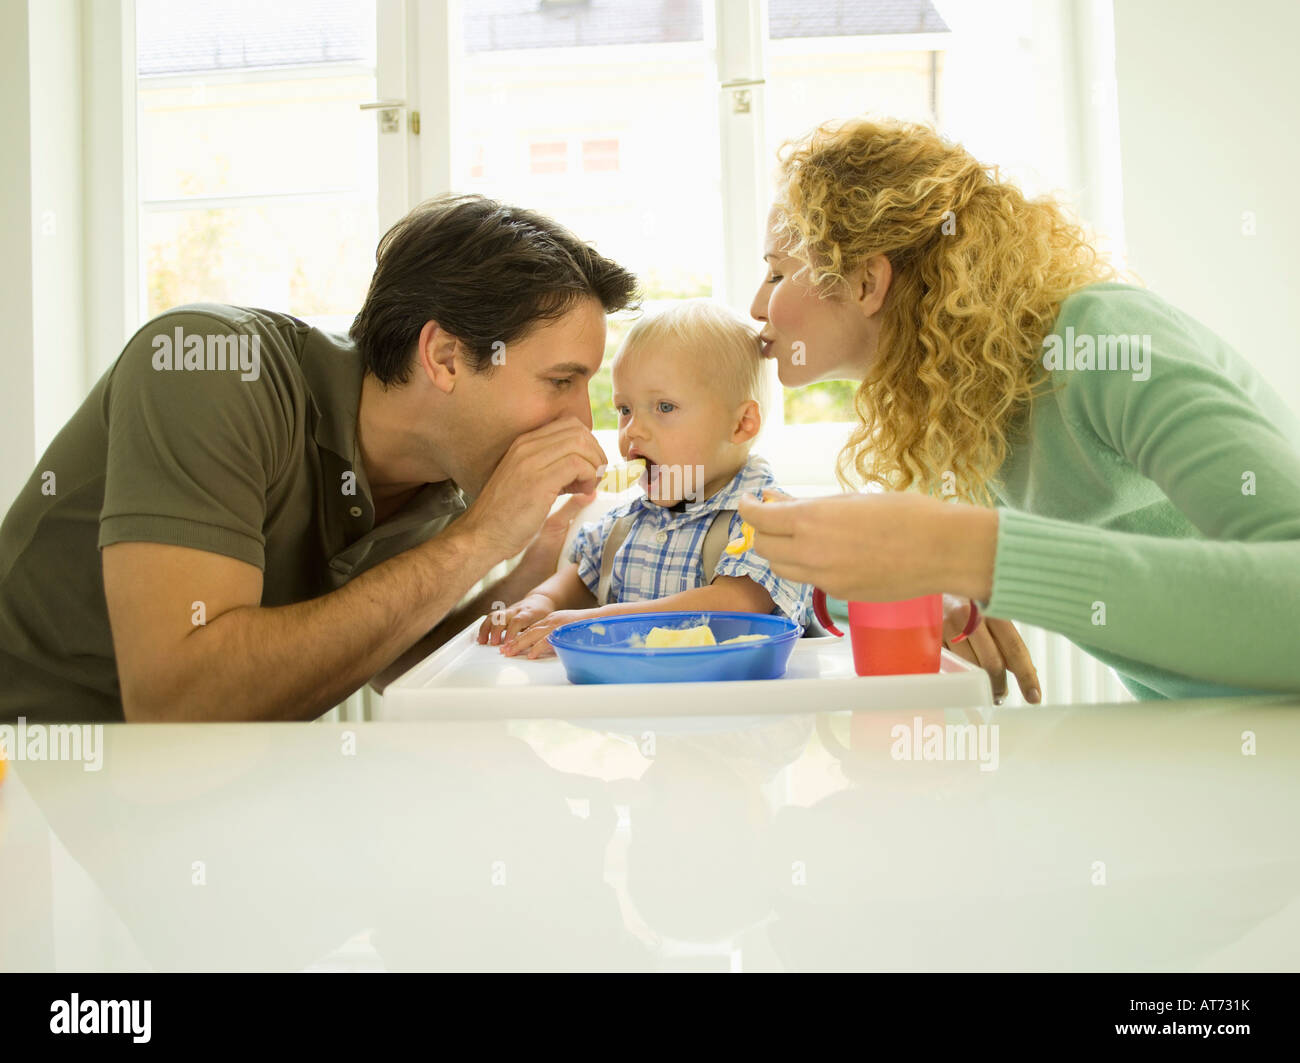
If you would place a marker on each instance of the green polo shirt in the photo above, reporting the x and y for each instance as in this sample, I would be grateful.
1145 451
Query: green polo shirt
220 428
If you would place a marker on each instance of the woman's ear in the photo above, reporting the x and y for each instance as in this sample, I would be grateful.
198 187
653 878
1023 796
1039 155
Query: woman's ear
869 284
436 356
749 419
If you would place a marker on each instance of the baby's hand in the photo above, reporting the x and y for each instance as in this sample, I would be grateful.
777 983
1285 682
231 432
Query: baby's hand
532 640
502 625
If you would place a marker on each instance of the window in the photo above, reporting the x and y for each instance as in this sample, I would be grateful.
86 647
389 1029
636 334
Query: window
257 168
598 91
600 156
829 60
549 157
644 106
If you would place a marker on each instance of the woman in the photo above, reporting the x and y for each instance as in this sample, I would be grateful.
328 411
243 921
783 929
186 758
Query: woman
1147 481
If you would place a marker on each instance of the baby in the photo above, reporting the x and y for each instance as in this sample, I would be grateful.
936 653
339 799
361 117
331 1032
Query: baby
689 388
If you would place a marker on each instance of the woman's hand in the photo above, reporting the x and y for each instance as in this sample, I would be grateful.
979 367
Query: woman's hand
532 640
877 547
888 546
995 646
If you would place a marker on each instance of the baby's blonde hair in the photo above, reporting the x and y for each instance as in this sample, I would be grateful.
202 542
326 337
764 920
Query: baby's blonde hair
716 335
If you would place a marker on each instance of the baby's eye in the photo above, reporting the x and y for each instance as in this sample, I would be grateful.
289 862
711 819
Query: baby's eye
666 407
621 410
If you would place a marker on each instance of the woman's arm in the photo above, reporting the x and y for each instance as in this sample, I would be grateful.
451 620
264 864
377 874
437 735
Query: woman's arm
1223 449
1221 613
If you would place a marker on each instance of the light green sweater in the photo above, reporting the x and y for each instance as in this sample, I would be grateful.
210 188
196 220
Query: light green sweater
1156 522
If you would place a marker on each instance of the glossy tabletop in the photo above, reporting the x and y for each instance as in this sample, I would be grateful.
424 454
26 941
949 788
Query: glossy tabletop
1129 837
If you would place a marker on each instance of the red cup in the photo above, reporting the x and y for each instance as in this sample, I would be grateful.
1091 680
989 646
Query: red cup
891 638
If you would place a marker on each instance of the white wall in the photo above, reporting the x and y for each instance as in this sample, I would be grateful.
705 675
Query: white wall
59 366
1006 85
1208 116
1028 85
43 375
17 431
110 196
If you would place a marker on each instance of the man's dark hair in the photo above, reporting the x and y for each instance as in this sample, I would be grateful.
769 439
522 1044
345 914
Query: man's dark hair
485 272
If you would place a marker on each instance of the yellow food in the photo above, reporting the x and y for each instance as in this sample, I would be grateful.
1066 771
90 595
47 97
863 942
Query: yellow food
665 637
660 638
746 540
619 478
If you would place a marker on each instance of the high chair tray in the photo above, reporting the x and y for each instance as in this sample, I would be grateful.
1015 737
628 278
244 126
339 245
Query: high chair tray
462 680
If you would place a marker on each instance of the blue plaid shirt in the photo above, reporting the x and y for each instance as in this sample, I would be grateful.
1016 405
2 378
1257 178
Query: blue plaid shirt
661 554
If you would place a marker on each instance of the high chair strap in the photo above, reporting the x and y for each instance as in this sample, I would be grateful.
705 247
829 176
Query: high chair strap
616 536
715 541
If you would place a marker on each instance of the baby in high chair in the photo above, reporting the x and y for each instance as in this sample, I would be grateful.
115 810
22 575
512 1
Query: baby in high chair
689 388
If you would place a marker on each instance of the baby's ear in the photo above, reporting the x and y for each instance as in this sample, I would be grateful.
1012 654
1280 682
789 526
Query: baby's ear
749 419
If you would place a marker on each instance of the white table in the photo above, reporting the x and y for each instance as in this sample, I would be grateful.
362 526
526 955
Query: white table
464 680
1134 837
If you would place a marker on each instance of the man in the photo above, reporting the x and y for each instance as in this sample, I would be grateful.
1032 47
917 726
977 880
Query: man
248 518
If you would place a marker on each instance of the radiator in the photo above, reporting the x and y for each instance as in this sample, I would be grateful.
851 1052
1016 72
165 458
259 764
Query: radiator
1068 675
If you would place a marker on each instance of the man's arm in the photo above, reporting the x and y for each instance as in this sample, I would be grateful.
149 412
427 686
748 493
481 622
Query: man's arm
246 662
193 643
514 585
536 566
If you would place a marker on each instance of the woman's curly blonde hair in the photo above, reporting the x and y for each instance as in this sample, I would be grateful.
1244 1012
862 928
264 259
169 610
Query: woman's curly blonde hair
979 273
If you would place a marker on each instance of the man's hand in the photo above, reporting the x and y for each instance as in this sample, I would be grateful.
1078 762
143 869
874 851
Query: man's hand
503 625
559 458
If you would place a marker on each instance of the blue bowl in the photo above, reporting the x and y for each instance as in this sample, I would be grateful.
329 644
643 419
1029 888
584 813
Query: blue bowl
598 651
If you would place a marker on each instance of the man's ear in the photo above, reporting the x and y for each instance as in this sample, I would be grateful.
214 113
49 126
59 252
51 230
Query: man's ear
749 419
436 356
869 284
